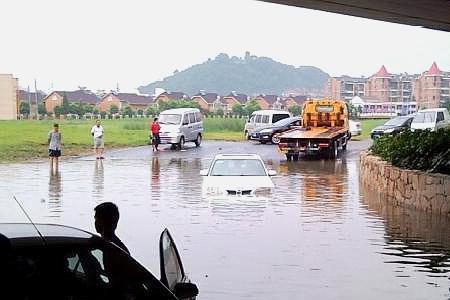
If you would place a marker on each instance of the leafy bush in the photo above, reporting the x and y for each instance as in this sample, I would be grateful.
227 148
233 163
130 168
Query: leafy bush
421 150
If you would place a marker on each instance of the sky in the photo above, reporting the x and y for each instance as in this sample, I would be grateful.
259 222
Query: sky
99 44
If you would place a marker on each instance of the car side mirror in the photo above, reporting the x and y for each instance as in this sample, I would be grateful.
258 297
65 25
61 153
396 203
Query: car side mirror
272 172
185 123
185 290
204 172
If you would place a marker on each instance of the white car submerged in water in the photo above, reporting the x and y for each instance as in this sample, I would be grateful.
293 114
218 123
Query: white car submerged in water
237 175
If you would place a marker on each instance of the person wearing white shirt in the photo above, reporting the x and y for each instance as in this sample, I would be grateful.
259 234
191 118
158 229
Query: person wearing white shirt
99 145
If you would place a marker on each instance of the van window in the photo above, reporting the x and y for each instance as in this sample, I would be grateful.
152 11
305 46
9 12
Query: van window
169 119
198 117
265 119
191 118
252 119
440 116
185 119
258 119
424 117
278 117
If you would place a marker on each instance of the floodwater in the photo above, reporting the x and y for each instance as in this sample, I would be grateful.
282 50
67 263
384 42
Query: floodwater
320 236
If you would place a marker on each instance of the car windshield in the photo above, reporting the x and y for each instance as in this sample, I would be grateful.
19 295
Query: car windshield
238 167
396 121
425 117
169 119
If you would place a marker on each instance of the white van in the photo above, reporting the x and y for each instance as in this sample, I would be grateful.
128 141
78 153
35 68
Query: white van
180 125
432 119
264 117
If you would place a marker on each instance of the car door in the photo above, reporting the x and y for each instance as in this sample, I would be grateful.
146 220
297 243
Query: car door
172 272
192 127
440 121
185 126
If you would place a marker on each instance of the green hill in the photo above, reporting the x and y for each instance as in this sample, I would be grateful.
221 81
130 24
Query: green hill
250 75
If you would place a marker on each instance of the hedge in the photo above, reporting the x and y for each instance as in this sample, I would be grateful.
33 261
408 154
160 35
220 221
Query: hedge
420 150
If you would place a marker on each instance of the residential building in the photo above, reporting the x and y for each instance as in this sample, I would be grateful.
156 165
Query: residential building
165 96
8 97
372 108
121 100
56 98
431 88
345 87
233 98
208 101
269 101
294 100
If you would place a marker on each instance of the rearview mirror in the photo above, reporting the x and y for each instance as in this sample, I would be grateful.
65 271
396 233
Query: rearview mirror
185 290
272 172
204 172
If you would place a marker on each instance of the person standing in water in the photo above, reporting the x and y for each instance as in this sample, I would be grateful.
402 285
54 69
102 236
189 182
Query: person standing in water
155 127
54 146
99 145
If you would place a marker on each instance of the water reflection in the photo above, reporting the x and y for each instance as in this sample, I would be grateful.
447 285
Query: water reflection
98 179
155 177
412 237
54 193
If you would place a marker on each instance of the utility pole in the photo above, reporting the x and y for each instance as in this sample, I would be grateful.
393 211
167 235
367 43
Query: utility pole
36 99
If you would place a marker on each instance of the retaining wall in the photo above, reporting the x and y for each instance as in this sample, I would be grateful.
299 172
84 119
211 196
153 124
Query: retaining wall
429 192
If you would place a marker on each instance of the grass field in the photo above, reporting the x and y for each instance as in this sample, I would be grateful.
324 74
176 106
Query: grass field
27 139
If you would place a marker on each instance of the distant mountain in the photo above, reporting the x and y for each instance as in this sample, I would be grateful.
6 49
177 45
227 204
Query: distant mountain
250 75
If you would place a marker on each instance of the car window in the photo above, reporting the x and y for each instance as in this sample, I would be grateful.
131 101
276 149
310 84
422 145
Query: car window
198 117
265 119
425 117
238 167
396 121
252 119
258 119
169 119
440 116
186 119
278 117
191 118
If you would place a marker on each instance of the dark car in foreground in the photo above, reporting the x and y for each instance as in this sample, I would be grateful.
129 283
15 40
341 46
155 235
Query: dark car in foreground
42 261
392 126
269 133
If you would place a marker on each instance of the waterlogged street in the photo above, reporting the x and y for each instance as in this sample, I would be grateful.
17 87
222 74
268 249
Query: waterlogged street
319 236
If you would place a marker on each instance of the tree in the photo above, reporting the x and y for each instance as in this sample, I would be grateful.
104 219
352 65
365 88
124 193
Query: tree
140 112
58 110
238 109
295 109
151 111
66 105
251 106
353 111
41 109
219 112
87 108
128 111
24 108
113 109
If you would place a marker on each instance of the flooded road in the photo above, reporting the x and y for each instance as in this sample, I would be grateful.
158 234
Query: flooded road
320 236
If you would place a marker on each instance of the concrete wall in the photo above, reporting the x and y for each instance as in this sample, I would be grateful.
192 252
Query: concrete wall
407 188
8 97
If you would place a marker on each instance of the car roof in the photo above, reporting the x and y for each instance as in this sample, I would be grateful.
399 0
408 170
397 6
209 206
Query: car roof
269 111
26 233
237 156
179 110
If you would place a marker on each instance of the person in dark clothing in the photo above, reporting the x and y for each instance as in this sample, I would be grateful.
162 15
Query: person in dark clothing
155 128
106 219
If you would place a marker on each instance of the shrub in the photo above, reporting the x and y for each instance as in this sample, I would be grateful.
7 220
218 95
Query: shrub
422 150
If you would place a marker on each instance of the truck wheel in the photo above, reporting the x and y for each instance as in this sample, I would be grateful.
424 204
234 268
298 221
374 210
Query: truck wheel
288 156
333 151
295 157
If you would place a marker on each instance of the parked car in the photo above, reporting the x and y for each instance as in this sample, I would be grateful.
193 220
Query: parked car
392 126
432 119
181 125
262 118
269 133
42 261
237 175
354 127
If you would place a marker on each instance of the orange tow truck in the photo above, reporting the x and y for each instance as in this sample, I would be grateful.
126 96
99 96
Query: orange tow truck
324 130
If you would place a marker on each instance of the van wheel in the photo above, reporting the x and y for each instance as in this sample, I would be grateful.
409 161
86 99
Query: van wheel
247 137
275 139
198 141
181 143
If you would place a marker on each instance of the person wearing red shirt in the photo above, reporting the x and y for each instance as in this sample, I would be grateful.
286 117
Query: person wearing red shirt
154 127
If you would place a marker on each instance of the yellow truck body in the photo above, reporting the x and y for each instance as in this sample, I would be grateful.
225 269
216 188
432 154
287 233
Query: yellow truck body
324 129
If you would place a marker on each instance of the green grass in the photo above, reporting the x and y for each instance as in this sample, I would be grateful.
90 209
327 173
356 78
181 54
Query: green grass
367 126
27 139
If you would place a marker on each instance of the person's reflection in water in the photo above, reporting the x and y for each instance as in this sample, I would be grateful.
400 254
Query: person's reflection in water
99 178
155 184
54 191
